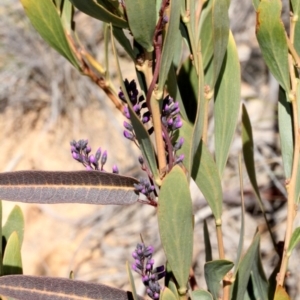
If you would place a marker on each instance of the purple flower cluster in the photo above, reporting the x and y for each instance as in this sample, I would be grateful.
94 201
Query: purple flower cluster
144 266
144 187
170 114
81 151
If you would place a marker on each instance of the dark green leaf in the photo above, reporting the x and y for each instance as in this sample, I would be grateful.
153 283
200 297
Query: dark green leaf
296 19
242 277
208 251
175 220
15 222
295 239
92 187
102 10
12 260
123 40
286 132
44 17
170 41
206 30
220 24
271 37
206 176
227 104
214 272
47 288
201 295
141 16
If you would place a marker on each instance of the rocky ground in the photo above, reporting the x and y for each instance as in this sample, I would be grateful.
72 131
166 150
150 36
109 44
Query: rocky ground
45 103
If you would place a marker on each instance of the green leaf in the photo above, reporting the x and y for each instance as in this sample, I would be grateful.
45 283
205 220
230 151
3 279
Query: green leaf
123 40
206 176
175 220
227 104
47 288
141 16
296 16
214 271
204 171
220 24
208 251
170 41
12 260
173 288
102 10
260 283
206 30
295 239
67 15
45 19
188 86
15 222
242 277
167 295
142 135
89 187
286 132
201 295
131 281
271 37
255 4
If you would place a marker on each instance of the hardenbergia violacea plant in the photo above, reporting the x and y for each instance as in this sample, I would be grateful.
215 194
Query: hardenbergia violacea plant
187 77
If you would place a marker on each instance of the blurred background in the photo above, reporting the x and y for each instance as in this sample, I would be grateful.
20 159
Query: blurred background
45 103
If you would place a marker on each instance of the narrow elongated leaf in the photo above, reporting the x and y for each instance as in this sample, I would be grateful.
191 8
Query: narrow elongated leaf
206 36
170 41
206 176
296 17
15 222
227 103
204 171
271 37
99 10
47 288
201 295
12 260
260 283
295 239
131 282
139 129
44 17
240 284
285 132
173 288
214 271
220 24
91 187
167 294
208 251
175 220
141 16
123 40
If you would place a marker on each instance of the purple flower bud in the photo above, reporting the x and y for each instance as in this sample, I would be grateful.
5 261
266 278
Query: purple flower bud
89 168
178 144
134 254
92 159
177 124
104 158
179 159
126 113
115 169
170 122
88 149
127 126
141 160
128 135
137 108
73 149
148 251
97 155
75 155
